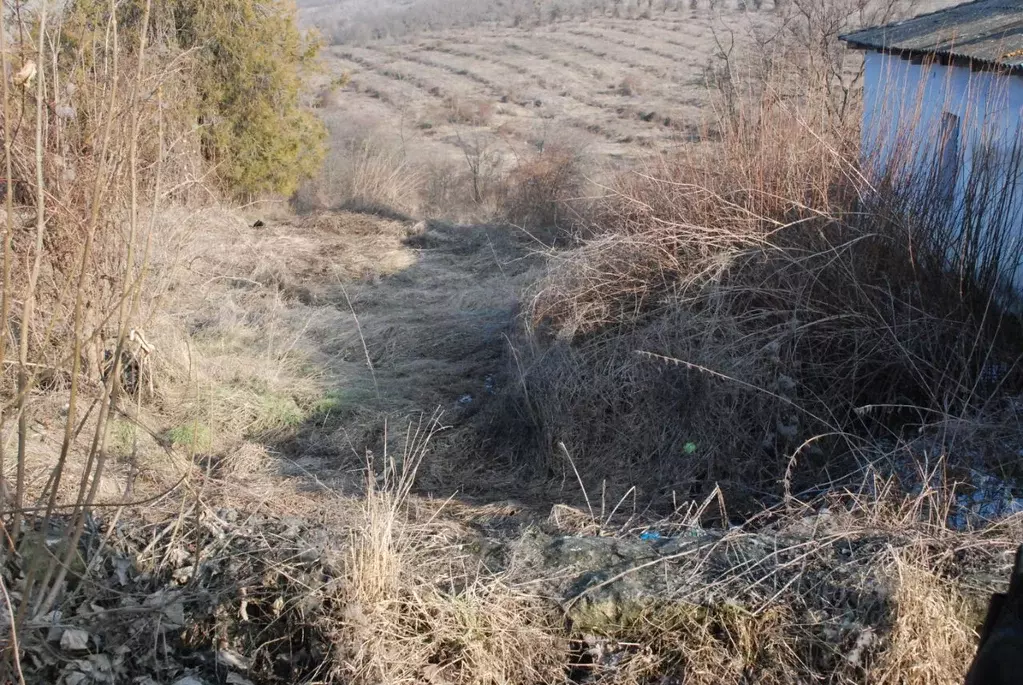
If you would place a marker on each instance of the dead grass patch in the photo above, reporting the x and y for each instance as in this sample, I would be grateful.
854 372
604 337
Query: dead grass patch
407 618
696 644
931 638
362 172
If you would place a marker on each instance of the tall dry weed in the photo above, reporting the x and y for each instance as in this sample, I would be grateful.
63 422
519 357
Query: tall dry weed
931 640
755 303
87 129
363 171
416 610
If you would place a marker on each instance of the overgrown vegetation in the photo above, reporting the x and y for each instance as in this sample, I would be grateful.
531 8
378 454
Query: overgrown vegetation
753 304
104 121
761 314
244 65
73 284
705 418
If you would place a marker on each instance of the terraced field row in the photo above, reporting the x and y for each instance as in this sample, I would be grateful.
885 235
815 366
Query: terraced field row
581 87
619 88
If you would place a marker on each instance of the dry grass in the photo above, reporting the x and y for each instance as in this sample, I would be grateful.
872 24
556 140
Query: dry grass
363 172
743 300
729 317
705 645
416 609
931 637
812 597
770 310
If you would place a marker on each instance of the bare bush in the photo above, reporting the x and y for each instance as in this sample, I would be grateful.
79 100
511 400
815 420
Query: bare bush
808 41
469 112
539 190
483 162
629 86
446 193
84 181
741 312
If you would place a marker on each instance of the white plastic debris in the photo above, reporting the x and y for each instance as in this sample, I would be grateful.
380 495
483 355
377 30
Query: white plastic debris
189 680
74 640
233 660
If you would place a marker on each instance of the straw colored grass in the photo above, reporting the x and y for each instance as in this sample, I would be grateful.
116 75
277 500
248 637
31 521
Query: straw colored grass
416 613
931 638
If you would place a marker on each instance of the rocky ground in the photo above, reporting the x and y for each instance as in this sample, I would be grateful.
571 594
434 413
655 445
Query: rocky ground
238 597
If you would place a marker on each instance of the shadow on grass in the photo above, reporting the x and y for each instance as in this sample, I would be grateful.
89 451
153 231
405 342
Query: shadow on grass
391 350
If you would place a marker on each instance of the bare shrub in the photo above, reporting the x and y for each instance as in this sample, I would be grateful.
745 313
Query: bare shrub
469 112
808 43
450 188
445 192
483 162
84 182
539 190
364 170
629 86
735 312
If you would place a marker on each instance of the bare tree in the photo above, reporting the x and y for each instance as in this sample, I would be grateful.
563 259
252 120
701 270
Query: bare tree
720 73
813 26
482 160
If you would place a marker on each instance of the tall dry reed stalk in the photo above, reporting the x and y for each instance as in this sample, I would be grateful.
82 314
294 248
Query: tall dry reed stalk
415 605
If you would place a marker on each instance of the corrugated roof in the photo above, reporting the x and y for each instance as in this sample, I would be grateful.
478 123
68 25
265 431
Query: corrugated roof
985 31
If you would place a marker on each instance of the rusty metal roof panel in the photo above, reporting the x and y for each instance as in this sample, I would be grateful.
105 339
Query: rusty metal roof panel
986 31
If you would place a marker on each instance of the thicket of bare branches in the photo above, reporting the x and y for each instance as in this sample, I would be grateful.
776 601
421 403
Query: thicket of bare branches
90 118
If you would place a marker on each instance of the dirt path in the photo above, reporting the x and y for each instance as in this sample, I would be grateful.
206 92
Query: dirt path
368 323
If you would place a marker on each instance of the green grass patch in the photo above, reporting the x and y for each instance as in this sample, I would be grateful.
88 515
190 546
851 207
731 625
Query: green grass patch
274 413
193 436
121 437
333 403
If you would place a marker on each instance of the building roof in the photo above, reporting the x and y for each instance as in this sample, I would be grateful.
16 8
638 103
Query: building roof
985 33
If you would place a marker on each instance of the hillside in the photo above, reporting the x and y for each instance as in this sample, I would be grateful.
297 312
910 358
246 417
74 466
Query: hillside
588 356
